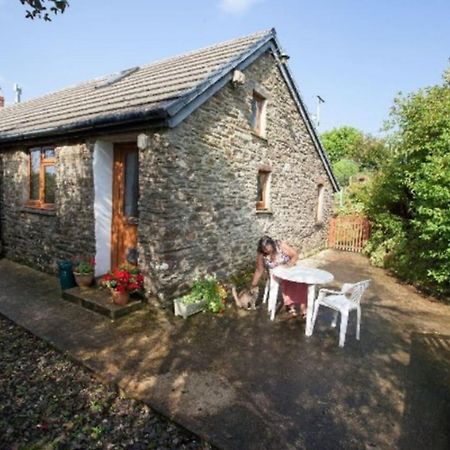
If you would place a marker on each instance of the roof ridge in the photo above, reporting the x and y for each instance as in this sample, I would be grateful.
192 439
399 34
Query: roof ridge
211 47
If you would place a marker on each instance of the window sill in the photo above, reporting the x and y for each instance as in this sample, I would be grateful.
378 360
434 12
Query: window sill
39 211
264 211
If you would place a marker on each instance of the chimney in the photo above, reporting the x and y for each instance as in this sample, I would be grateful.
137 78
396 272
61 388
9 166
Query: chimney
2 99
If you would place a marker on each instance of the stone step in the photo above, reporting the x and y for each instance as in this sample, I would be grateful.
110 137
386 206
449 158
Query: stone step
99 301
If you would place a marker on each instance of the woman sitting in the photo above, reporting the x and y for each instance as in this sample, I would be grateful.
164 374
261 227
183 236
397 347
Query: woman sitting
270 254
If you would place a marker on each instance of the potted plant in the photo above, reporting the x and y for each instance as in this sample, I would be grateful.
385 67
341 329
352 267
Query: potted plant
206 293
123 281
83 270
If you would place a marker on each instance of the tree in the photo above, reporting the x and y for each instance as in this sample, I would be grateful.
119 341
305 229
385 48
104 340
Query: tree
367 151
342 143
344 169
410 200
40 9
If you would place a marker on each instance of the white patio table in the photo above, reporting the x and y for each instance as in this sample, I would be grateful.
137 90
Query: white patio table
298 274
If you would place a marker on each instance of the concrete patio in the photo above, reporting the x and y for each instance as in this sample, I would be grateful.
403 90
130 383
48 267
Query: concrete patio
243 382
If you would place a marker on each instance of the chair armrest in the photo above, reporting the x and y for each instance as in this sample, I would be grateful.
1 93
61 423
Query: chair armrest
329 291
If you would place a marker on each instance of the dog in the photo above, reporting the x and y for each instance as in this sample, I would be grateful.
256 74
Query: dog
245 299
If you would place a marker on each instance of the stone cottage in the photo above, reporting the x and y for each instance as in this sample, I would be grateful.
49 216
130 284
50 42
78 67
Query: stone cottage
178 166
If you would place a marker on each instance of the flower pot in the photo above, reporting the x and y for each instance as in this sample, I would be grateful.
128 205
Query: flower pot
84 280
186 310
120 298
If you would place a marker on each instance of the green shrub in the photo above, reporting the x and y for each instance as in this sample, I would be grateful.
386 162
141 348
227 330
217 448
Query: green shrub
207 289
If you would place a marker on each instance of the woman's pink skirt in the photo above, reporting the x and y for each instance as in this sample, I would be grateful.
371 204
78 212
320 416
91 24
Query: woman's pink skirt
294 293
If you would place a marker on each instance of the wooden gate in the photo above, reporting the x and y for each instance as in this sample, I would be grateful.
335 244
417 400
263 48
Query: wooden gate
348 233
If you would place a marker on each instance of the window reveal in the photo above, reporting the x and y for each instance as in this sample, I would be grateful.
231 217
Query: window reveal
258 117
263 189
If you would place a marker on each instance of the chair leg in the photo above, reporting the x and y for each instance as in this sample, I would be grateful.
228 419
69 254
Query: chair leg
343 328
266 291
334 320
358 321
315 312
273 296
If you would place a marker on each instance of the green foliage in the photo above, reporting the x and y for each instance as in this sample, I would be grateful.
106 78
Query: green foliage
410 198
39 9
349 143
355 198
344 169
342 143
83 265
208 289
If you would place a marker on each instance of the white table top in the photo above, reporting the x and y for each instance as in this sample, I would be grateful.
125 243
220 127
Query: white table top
303 274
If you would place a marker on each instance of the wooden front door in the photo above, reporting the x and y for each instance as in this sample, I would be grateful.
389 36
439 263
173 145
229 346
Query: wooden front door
125 205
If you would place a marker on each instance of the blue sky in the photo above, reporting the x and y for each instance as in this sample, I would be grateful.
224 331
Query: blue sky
356 54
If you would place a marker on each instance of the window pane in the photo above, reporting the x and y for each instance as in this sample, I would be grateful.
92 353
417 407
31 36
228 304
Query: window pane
50 182
256 120
49 152
35 160
262 188
130 208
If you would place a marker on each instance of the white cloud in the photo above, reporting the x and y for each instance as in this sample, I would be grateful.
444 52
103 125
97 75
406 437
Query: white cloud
237 6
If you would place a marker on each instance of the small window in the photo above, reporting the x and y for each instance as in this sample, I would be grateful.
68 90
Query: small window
258 118
42 177
319 212
263 194
130 204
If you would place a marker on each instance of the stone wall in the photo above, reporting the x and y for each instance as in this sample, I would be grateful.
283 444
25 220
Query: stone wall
40 238
1 204
199 184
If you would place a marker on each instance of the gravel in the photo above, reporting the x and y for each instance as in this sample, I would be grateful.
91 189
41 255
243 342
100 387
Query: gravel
49 402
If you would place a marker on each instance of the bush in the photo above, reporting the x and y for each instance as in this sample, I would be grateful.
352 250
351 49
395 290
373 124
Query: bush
344 169
409 199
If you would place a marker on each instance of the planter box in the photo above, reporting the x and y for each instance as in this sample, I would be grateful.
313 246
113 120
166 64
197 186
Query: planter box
186 310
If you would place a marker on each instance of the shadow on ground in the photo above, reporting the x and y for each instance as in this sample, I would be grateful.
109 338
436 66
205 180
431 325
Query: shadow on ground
243 382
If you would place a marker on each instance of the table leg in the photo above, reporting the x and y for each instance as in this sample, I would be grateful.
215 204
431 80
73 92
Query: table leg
310 308
273 296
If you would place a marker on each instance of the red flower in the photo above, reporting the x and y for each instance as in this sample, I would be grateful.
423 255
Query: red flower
121 288
124 279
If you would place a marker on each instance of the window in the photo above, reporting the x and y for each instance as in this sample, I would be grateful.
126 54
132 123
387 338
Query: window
258 118
42 177
263 194
131 194
320 194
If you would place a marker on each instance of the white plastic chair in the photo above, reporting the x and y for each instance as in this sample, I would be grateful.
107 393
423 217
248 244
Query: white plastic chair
343 301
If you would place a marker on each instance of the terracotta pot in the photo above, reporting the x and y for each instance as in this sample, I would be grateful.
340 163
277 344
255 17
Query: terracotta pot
84 280
120 298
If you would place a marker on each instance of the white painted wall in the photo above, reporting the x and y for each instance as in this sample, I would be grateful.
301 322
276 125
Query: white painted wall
103 169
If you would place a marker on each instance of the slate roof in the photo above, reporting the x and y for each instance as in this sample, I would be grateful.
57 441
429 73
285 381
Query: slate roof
147 91
161 94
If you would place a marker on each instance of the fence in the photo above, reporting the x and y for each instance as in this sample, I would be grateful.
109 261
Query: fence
348 233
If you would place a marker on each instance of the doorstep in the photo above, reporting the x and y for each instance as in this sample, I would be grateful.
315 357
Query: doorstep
99 301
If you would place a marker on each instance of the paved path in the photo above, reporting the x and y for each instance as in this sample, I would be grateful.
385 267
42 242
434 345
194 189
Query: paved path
243 382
